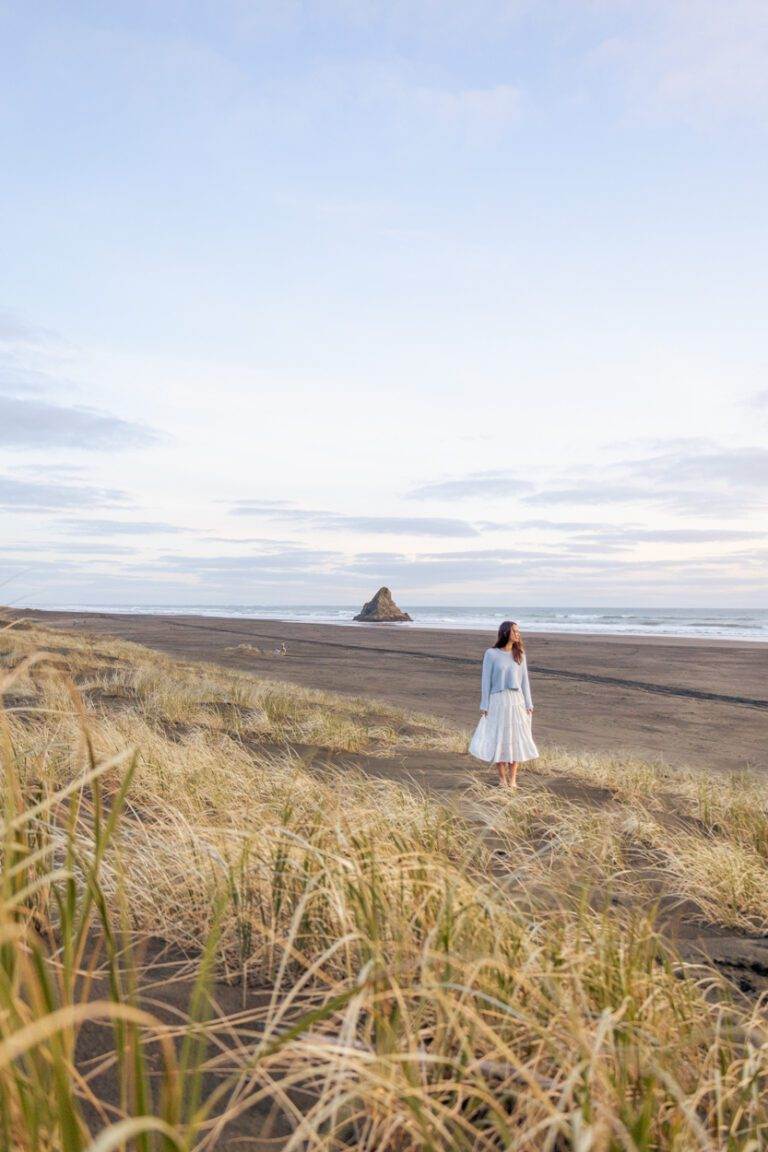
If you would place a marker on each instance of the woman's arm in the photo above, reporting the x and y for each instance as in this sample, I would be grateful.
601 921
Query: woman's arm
486 681
525 684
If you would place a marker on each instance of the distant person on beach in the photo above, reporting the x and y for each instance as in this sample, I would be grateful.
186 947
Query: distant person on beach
503 737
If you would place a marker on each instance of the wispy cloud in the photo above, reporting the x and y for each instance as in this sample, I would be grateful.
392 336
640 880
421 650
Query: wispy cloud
636 535
255 507
74 547
56 471
533 525
397 95
507 573
477 485
119 527
590 492
694 57
758 401
33 362
36 496
33 359
341 522
702 58
404 525
15 330
691 477
488 570
38 424
744 468
263 566
489 108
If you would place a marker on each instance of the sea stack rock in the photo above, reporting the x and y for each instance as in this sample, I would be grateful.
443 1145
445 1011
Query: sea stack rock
382 610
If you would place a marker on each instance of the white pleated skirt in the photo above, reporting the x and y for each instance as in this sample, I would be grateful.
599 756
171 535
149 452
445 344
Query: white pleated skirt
504 736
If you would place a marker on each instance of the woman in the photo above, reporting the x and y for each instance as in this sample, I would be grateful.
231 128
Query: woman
503 735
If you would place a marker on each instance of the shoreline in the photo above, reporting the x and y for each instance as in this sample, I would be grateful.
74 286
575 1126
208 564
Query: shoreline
406 629
203 612
394 627
661 699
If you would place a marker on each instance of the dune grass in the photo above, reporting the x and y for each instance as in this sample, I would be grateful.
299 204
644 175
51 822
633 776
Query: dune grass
117 675
404 981
661 833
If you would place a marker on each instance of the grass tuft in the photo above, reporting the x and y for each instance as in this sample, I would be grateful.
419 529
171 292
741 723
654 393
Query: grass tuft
202 942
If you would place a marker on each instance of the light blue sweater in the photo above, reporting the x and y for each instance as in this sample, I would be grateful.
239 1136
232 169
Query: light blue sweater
500 671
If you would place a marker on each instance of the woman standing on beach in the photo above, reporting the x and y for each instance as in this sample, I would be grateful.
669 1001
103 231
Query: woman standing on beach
503 737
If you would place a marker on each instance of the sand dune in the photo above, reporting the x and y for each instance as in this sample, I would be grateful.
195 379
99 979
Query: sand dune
682 701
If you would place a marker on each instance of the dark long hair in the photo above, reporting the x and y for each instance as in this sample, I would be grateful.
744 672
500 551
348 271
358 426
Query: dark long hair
505 631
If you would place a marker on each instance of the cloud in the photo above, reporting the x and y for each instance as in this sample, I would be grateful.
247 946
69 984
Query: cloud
758 401
35 496
394 91
741 467
267 566
695 477
484 108
705 502
388 18
32 363
120 527
15 330
283 510
312 575
405 525
585 536
279 560
706 480
593 492
633 535
99 549
475 566
341 522
38 424
603 495
263 541
697 58
89 548
52 471
509 571
16 378
310 567
703 59
535 525
31 357
254 507
601 547
477 485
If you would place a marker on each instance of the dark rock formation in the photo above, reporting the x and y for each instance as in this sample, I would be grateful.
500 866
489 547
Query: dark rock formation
381 610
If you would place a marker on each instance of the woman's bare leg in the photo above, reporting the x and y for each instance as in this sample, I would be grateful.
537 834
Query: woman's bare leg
502 768
512 775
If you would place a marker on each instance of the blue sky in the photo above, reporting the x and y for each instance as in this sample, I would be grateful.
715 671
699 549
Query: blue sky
301 298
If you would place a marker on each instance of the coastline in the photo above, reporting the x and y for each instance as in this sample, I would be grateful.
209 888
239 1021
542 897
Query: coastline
676 700
707 625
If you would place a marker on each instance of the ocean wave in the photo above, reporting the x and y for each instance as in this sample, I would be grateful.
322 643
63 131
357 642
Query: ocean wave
722 623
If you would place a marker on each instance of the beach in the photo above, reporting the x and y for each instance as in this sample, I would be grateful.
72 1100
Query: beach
700 703
301 842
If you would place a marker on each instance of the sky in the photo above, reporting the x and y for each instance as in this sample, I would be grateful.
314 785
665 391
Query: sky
300 298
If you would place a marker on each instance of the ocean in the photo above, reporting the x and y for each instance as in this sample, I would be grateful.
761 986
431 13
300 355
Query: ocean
702 623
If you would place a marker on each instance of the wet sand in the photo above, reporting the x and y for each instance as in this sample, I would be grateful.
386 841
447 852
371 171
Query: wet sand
681 701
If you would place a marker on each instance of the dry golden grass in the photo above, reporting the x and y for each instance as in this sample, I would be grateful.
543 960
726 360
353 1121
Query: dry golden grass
169 692
402 987
659 834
